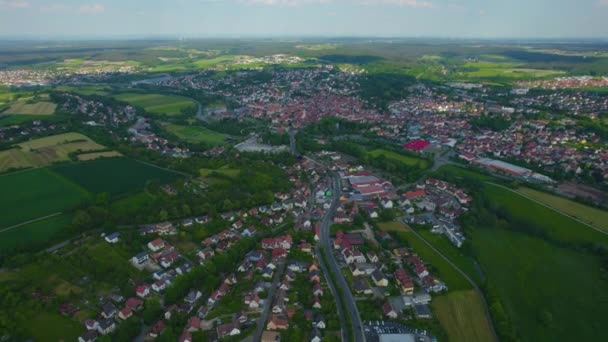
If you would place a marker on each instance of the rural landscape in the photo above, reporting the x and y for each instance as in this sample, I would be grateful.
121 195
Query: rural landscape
346 187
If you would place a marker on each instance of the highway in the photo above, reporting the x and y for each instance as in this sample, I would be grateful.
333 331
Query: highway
350 304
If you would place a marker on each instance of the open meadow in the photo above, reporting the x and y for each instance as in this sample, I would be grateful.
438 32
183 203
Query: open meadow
114 176
593 216
45 151
157 103
196 134
31 194
34 235
23 107
462 315
549 293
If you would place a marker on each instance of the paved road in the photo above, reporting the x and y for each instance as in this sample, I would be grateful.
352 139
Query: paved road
351 306
257 335
475 287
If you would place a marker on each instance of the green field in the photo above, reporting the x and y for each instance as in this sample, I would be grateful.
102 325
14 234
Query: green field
407 160
37 108
7 120
549 293
157 103
222 171
556 225
34 234
593 216
114 176
500 70
45 151
462 315
35 193
196 134
53 327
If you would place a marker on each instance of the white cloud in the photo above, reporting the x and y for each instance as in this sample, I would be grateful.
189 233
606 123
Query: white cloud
602 3
91 8
14 4
64 8
401 3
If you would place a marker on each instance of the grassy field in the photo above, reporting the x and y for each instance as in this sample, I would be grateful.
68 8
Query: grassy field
593 216
502 70
549 293
411 161
157 103
34 234
454 280
196 134
7 120
97 155
86 90
114 176
462 315
37 108
45 151
53 327
558 226
223 171
393 226
35 193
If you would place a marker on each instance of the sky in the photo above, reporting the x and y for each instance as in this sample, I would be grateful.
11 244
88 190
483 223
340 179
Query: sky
304 18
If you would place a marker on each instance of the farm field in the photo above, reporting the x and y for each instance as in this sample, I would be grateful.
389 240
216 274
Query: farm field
196 134
157 103
593 216
114 176
501 71
462 315
35 234
529 274
556 225
86 90
35 193
22 107
411 161
53 327
45 151
7 120
97 155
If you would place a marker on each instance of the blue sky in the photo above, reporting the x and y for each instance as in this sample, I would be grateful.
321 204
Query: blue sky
243 18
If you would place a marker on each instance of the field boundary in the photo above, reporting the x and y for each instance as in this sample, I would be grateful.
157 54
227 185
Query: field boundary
2 230
164 169
550 207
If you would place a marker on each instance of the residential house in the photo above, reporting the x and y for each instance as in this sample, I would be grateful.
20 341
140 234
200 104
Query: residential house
88 336
379 279
228 329
278 322
113 238
389 311
142 291
140 258
106 326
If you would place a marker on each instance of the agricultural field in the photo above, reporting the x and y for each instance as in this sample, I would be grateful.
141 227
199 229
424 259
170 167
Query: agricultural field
501 71
196 134
86 90
593 216
157 103
45 151
35 234
22 107
31 194
529 274
115 176
552 223
97 155
407 160
462 315
7 120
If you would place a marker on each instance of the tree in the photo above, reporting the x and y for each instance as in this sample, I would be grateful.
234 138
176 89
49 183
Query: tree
152 311
163 215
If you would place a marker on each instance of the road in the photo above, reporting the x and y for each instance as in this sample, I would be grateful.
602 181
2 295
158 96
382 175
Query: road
257 335
333 268
475 287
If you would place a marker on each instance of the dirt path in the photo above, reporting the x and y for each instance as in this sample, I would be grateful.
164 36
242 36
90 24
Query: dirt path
30 221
